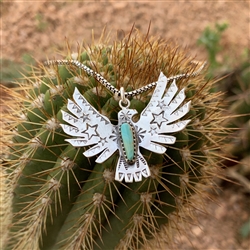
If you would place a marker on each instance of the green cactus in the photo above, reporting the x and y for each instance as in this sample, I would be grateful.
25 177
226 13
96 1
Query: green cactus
237 90
63 200
210 39
235 84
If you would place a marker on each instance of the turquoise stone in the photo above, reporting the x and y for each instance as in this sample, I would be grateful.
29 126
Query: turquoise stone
128 140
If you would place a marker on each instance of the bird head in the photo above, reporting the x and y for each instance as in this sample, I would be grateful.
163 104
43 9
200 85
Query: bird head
126 115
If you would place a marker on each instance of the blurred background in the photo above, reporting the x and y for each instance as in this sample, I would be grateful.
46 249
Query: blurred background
216 31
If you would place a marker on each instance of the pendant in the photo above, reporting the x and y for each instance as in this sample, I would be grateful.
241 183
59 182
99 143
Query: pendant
161 116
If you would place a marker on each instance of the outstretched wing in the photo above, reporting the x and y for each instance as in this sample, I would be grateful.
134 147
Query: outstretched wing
89 127
161 116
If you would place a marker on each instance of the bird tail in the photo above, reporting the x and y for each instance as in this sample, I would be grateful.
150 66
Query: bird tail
133 172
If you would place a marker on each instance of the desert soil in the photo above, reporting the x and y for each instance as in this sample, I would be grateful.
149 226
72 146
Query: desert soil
39 28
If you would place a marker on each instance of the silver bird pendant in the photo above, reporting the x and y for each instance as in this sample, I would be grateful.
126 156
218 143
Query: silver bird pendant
161 116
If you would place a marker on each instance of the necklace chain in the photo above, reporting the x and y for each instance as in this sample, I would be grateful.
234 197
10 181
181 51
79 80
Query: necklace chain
110 87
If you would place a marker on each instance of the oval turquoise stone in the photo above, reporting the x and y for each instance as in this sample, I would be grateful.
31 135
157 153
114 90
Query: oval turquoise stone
128 140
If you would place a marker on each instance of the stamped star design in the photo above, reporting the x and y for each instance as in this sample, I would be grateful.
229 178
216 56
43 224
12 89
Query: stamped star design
161 104
103 141
91 131
159 119
85 117
153 131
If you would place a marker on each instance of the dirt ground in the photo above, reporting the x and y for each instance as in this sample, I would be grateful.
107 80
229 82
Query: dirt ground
39 28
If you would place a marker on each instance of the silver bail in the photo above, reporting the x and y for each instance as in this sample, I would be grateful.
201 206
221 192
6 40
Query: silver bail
124 102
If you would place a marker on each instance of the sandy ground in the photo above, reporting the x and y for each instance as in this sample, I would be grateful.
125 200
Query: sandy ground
39 28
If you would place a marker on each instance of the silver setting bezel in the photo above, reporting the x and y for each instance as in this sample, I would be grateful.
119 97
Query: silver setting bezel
135 142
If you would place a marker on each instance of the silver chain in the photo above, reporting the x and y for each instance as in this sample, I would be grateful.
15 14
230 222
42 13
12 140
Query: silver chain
110 87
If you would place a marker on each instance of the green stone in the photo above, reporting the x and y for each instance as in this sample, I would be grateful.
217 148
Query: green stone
128 140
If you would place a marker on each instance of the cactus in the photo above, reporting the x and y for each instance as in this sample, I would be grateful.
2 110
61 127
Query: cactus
237 91
63 200
234 82
237 88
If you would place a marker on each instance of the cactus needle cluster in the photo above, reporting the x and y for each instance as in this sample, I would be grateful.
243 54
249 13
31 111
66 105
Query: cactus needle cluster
60 199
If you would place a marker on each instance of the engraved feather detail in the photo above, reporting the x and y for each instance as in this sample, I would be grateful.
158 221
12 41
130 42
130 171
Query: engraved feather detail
161 116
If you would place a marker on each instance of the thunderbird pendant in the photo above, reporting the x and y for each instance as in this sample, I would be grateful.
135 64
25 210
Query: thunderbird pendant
161 116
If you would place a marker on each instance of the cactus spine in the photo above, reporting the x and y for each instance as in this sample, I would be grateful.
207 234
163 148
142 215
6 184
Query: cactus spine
63 200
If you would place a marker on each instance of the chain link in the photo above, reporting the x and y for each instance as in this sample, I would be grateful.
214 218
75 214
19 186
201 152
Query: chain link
110 87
